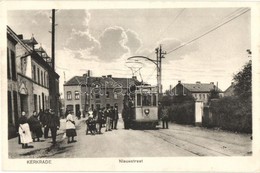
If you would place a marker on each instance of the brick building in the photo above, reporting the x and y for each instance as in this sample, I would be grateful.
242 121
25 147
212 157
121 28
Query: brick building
200 91
99 92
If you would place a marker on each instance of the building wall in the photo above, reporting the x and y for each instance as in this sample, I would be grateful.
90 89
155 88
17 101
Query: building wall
180 90
201 96
70 102
12 88
34 77
25 95
92 100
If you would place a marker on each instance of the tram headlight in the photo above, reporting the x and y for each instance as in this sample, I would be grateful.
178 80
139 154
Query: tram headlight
147 111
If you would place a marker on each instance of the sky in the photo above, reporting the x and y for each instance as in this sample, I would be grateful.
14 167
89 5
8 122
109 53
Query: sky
101 40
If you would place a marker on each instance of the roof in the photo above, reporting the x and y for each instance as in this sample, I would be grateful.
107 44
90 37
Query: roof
200 87
31 41
109 82
230 90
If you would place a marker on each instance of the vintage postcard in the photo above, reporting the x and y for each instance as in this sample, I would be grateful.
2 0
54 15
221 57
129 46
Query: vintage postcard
130 86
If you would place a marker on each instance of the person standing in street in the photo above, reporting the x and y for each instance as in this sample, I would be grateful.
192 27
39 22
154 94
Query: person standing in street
24 131
115 117
44 120
99 120
35 127
165 117
53 123
108 119
70 128
112 116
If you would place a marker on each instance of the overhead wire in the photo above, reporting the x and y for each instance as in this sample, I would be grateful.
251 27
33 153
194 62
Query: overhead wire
164 30
210 30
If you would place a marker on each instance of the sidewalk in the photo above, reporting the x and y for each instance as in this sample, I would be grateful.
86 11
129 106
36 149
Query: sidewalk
43 148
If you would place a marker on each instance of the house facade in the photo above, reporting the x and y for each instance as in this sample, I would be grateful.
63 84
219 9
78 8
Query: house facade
12 82
82 92
31 85
199 91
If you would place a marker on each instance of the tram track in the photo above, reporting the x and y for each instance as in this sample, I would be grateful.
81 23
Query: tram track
208 137
187 145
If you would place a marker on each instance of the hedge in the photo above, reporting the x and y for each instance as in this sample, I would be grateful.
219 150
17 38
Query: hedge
232 113
182 113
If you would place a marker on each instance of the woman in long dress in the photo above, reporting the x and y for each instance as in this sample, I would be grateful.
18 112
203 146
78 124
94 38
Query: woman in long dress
35 127
70 128
24 131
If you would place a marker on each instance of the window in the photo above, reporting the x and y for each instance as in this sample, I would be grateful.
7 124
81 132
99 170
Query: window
47 80
10 114
69 107
97 96
38 74
107 95
34 73
69 97
147 100
8 65
76 95
15 106
35 101
44 79
13 65
154 100
115 95
41 78
138 99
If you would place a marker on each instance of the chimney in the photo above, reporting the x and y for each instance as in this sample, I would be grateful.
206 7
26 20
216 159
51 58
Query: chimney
103 76
134 77
198 82
109 76
212 83
232 83
179 82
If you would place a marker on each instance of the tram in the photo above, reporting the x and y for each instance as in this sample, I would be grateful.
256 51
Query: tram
141 108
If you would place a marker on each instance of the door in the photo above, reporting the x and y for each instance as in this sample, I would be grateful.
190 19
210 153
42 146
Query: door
77 108
24 103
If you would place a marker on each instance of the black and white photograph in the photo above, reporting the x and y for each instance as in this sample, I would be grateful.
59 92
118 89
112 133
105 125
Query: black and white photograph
130 83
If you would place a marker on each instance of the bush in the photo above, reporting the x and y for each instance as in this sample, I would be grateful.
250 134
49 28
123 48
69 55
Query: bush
232 113
182 113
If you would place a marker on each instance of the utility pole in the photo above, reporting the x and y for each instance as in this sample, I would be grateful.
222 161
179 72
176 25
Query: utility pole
159 55
87 93
53 40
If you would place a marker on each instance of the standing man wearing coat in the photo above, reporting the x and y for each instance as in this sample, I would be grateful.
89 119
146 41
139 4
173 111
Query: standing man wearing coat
115 117
53 123
45 118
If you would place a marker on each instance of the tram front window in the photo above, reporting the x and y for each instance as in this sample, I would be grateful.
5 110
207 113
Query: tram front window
154 100
147 100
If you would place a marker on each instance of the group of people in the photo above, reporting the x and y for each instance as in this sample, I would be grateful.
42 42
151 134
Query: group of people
30 129
97 118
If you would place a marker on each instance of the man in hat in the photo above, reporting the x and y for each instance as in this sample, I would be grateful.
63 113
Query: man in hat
53 123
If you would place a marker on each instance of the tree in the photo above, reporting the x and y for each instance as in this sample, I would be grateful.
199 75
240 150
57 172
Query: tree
214 94
243 81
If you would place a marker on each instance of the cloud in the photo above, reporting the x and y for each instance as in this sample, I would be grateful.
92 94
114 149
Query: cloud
80 40
112 44
133 41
